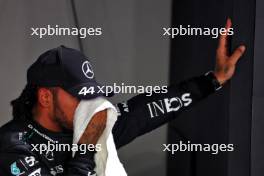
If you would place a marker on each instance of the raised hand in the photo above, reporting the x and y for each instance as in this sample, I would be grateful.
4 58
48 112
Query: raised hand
225 62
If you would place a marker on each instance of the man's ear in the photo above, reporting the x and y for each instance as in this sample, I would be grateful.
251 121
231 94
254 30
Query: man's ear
45 97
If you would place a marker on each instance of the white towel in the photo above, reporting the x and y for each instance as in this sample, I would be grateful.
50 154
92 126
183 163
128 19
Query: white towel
106 160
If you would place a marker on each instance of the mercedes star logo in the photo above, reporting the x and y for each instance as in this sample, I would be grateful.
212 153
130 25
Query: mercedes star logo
87 70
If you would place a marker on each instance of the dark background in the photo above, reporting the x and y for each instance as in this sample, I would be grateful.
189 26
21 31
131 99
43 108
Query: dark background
233 115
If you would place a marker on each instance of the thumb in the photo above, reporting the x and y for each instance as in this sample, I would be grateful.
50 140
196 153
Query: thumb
237 54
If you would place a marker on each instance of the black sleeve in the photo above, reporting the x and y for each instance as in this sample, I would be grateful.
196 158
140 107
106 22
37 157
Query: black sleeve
142 113
21 161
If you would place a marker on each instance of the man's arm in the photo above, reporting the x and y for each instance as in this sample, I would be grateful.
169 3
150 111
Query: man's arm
142 114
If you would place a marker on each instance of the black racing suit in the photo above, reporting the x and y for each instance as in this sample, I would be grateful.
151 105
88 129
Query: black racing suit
137 116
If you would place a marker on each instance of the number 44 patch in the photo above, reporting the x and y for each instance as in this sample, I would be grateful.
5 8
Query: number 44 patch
86 90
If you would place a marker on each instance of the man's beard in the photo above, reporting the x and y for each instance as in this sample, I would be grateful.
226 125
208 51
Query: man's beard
60 117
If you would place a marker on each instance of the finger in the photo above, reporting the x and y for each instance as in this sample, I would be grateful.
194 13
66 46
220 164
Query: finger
223 40
228 23
237 54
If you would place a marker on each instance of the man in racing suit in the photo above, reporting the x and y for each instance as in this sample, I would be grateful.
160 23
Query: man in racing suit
21 136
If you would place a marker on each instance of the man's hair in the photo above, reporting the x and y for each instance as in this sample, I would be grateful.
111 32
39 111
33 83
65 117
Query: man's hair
22 106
